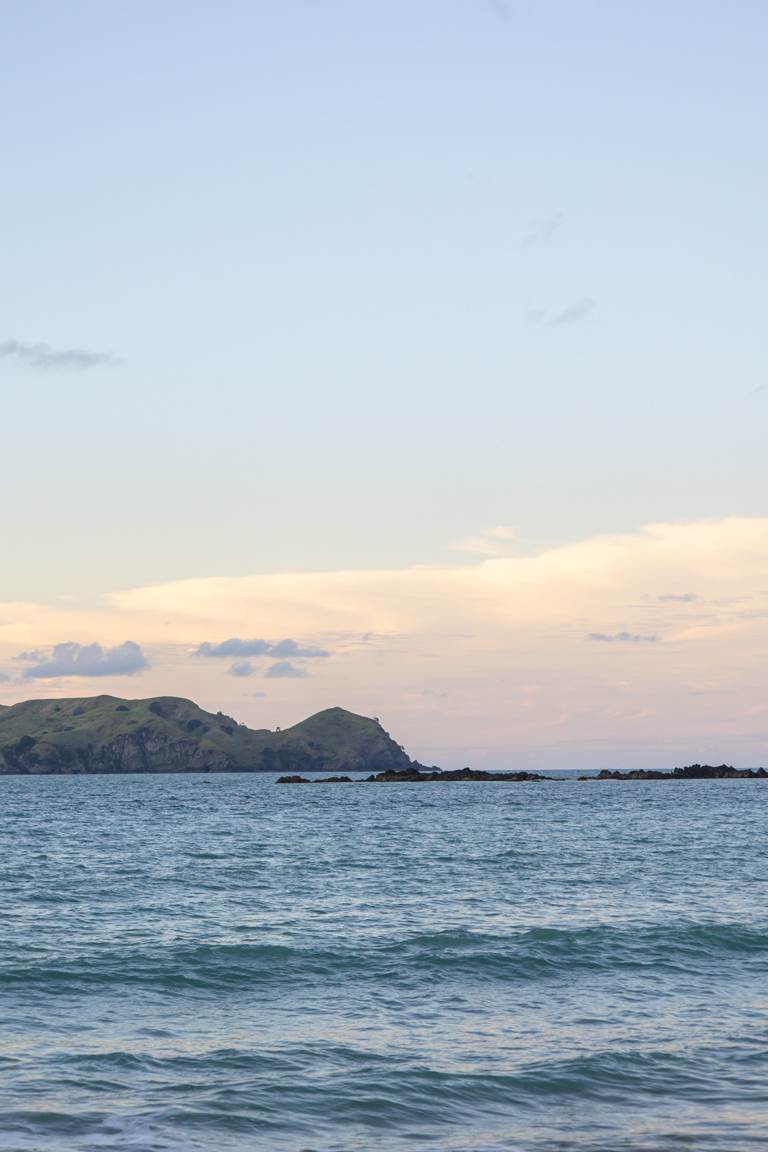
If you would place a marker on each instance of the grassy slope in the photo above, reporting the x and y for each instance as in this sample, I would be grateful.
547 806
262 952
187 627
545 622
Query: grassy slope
331 739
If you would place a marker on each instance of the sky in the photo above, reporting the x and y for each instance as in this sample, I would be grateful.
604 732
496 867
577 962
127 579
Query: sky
416 347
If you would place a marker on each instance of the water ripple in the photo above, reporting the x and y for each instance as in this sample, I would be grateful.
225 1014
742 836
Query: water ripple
549 969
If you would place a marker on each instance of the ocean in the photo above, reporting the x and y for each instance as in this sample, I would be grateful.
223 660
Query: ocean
220 963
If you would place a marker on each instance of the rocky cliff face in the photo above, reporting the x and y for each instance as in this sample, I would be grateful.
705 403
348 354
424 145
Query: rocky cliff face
142 751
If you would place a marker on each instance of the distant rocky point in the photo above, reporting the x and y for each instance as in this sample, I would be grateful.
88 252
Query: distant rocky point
96 734
414 775
691 772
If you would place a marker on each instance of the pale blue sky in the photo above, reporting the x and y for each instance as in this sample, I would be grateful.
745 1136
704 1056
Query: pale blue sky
379 275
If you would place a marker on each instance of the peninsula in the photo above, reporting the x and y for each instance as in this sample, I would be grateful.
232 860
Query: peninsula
95 734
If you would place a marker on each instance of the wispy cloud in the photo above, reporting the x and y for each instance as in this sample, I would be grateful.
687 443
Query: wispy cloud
499 8
237 647
573 314
284 670
234 647
242 668
679 597
542 231
621 638
45 358
495 542
71 659
292 648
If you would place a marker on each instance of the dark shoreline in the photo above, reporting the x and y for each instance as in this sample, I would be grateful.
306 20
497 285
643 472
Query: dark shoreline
411 776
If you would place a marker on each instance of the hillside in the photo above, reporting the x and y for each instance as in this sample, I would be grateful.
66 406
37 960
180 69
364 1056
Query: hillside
169 734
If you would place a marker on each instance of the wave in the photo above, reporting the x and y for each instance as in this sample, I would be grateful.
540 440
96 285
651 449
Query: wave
311 1088
518 955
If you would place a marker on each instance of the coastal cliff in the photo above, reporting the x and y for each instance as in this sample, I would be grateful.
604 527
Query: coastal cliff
169 734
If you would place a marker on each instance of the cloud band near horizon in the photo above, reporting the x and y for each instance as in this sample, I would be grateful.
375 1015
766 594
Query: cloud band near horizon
483 660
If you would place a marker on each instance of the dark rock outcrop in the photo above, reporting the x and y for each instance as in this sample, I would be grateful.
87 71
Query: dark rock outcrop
318 780
414 776
690 772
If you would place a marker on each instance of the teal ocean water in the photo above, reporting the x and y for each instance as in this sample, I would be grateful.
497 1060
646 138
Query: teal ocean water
221 963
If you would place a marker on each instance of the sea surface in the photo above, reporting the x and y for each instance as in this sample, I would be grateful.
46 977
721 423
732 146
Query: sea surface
226 964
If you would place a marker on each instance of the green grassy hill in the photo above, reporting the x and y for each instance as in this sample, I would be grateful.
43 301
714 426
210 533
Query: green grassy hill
170 734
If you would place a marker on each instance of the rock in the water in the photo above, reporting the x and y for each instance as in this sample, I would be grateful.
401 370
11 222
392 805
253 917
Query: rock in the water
459 774
319 780
690 772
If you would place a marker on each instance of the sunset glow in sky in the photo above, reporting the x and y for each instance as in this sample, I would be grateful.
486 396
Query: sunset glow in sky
417 348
